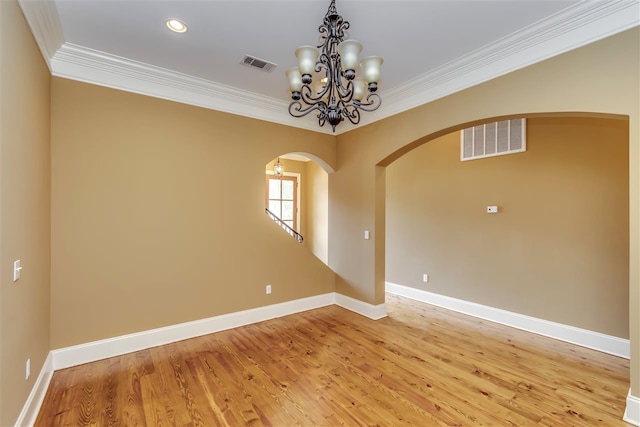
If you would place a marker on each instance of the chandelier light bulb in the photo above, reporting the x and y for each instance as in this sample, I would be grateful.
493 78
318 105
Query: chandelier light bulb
358 89
371 68
295 79
349 51
307 57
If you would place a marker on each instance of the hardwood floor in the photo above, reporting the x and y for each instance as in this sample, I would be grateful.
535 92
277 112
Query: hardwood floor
422 366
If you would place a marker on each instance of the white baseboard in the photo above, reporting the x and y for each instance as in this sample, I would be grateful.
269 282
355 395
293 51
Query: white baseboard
89 352
632 413
371 311
582 337
29 413
97 350
102 349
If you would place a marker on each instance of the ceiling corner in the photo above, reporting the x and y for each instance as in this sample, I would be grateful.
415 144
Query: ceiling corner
44 22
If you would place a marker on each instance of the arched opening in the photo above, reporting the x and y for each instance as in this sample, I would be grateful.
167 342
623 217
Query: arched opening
301 198
561 234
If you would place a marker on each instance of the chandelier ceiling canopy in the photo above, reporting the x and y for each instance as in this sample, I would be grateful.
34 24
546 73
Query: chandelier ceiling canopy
326 79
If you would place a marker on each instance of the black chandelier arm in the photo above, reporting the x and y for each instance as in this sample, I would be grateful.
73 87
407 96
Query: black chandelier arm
351 112
373 102
346 92
333 73
307 96
324 63
322 118
296 110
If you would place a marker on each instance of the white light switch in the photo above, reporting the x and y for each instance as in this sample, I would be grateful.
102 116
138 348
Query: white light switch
492 209
366 234
17 268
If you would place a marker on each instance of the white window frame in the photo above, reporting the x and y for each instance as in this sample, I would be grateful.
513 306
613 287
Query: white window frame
297 176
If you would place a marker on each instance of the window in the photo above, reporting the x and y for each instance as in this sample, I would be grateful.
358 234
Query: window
282 199
493 139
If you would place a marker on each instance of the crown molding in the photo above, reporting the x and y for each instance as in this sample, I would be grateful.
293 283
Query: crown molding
576 26
103 69
44 22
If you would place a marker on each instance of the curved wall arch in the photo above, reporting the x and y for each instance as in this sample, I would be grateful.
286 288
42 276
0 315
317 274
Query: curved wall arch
561 233
601 78
425 139
313 202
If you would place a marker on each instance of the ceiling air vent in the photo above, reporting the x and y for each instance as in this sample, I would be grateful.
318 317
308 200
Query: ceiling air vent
252 61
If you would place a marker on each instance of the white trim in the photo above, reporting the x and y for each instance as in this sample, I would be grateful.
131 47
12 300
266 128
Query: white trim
632 412
31 408
92 66
102 349
371 311
44 22
97 350
605 343
298 178
578 25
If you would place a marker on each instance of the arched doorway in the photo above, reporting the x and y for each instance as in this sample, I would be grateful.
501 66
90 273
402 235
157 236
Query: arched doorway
560 234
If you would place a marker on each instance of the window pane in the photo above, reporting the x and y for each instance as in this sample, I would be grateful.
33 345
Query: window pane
274 189
274 206
287 210
287 190
289 223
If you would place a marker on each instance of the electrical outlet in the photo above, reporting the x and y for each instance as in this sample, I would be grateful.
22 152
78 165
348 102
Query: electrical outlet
425 278
268 289
28 369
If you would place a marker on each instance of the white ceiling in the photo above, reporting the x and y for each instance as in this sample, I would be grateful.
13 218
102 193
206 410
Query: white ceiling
431 48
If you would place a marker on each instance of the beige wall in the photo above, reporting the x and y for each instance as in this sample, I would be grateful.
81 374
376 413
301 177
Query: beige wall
24 210
598 78
557 250
144 190
317 191
158 214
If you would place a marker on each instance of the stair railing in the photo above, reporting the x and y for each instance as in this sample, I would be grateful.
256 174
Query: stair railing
293 233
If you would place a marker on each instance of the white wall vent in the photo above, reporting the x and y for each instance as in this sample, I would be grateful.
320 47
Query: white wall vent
263 65
493 139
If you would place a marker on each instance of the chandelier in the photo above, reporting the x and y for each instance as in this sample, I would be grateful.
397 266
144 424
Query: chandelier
339 94
278 169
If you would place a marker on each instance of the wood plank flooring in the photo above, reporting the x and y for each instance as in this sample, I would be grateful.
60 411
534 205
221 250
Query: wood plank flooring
421 366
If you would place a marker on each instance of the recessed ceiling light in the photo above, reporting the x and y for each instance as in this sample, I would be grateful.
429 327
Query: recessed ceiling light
176 25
